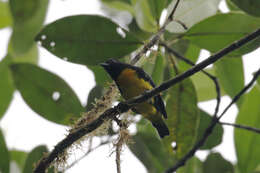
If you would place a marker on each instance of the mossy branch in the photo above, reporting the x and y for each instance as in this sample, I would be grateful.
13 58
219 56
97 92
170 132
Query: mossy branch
110 113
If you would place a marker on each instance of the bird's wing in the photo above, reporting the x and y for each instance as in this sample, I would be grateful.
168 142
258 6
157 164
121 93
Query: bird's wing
158 101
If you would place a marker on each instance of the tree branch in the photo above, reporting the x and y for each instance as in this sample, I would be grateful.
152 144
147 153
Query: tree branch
125 106
209 130
156 37
240 126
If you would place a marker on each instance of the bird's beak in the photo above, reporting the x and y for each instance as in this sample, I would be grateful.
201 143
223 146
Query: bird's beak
104 64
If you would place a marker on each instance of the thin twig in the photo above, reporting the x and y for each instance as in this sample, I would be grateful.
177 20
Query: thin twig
156 37
208 131
240 126
125 106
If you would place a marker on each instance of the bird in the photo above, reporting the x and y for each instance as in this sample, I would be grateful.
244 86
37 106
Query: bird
132 81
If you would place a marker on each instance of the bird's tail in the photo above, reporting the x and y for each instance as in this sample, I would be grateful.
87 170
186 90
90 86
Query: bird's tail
161 127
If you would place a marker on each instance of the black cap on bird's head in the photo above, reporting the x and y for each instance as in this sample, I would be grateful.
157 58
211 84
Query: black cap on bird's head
113 67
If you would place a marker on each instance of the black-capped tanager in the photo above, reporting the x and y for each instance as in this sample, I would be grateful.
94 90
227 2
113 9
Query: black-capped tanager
133 81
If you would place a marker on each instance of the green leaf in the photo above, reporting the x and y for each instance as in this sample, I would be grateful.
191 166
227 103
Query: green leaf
220 30
31 56
95 93
205 87
193 165
144 16
19 157
86 39
192 54
215 163
149 149
158 70
124 5
4 155
137 32
5 17
215 137
249 6
230 73
232 6
101 76
28 19
157 8
183 117
246 142
191 12
33 157
6 85
47 94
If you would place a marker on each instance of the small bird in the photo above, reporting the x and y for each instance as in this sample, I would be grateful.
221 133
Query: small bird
133 81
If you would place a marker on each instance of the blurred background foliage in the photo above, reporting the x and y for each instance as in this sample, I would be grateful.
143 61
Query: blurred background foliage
92 39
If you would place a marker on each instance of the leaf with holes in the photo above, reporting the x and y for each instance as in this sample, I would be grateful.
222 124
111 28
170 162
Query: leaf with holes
28 18
249 6
220 30
215 137
46 93
191 12
6 85
247 142
4 155
87 39
183 117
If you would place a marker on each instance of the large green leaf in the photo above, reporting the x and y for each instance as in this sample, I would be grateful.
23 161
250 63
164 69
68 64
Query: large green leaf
230 73
144 16
86 39
5 17
28 18
183 117
191 12
220 30
33 157
215 137
46 93
249 6
148 148
19 157
193 165
6 85
215 163
247 143
4 155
